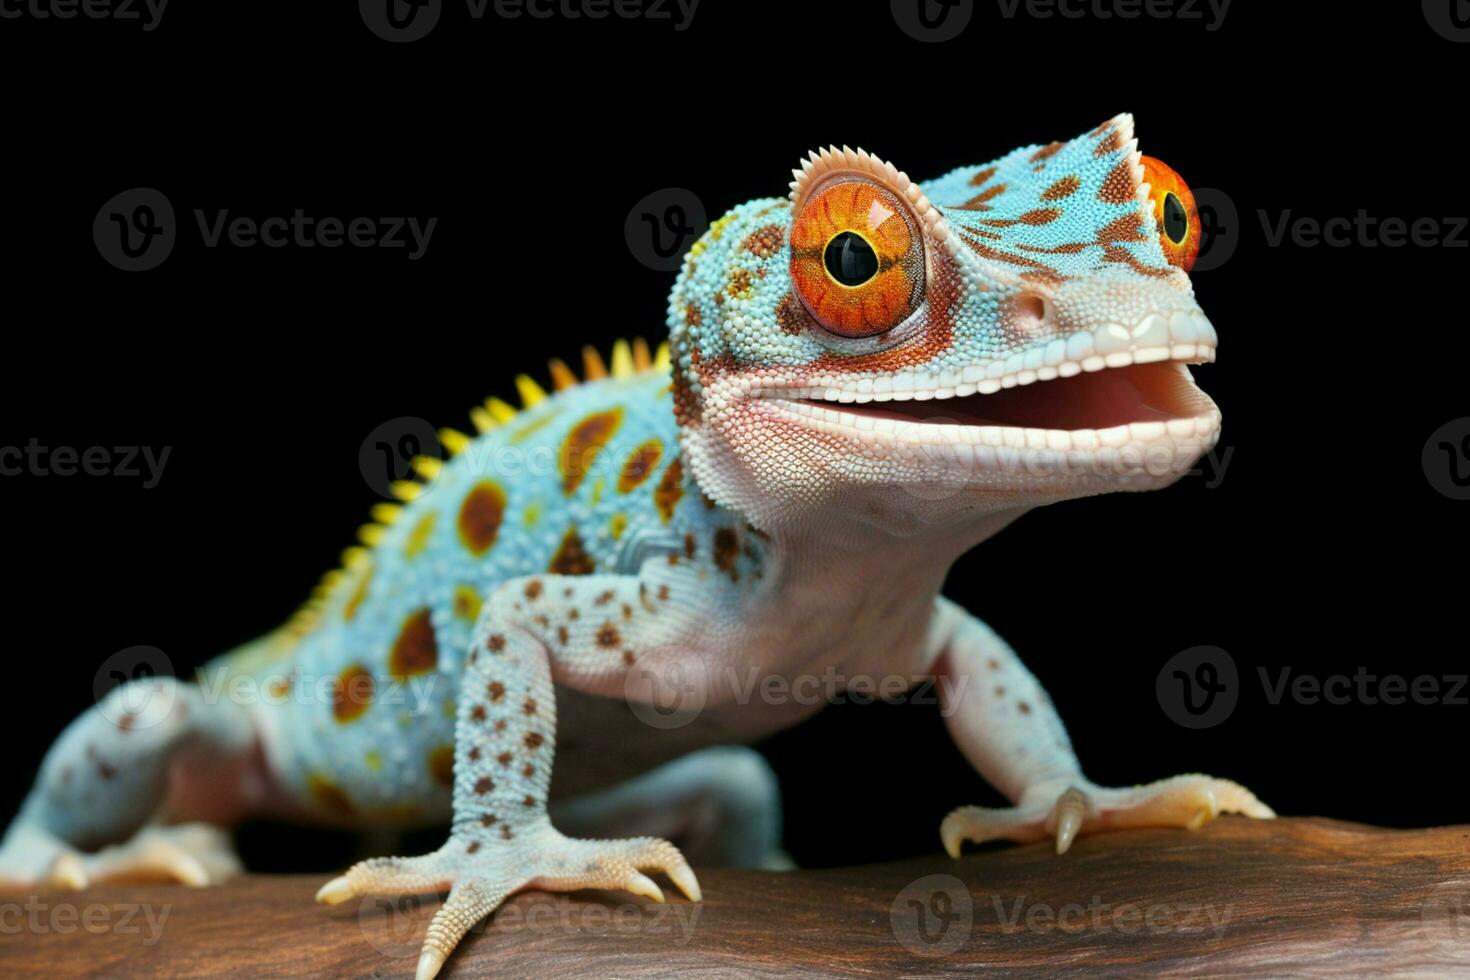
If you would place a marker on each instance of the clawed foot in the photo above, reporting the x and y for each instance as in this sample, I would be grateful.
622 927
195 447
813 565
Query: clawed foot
1063 812
481 873
194 854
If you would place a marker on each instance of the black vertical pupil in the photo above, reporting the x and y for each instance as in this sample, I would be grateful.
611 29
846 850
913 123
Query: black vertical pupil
850 260
1176 220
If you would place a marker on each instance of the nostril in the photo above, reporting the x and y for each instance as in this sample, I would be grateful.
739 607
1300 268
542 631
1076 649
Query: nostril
1029 313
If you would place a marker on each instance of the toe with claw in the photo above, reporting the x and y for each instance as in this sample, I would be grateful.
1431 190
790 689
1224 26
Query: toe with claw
1065 812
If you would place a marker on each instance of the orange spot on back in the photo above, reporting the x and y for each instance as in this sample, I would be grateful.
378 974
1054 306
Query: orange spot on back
584 442
441 765
352 693
640 466
415 651
480 516
329 795
571 557
670 489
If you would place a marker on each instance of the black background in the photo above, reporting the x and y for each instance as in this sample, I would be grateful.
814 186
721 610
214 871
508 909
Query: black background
1324 548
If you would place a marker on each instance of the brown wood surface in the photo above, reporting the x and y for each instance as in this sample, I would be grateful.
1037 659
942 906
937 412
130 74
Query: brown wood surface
1289 897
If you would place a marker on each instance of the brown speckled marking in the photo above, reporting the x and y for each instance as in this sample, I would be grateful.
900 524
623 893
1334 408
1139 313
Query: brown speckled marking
691 547
496 691
496 643
534 739
475 754
477 713
533 589
983 176
528 770
415 651
640 466
1118 186
727 550
1112 140
603 598
1047 152
480 516
765 241
1040 216
628 657
571 556
503 758
670 489
500 725
608 636
739 286
561 635
126 722
692 316
663 592
791 316
505 832
529 706
487 820
1024 708
584 442
441 765
352 693
474 846
978 202
484 785
1062 189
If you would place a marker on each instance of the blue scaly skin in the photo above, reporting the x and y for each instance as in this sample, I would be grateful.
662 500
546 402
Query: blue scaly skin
863 381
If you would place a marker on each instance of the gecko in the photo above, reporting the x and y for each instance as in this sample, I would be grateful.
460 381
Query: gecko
863 379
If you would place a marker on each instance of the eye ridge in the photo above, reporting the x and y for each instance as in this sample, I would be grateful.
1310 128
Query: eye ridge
853 262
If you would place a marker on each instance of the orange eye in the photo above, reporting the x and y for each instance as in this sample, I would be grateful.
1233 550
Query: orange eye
857 258
1174 213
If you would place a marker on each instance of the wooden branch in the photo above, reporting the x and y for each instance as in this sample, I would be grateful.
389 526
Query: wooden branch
1292 896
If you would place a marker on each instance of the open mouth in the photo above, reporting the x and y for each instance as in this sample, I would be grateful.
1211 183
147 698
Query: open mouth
1105 399
1087 407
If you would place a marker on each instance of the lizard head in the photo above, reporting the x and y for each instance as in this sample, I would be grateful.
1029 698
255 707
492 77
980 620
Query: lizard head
1009 334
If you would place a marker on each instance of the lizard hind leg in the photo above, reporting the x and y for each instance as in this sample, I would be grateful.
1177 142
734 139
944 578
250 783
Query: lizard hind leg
502 840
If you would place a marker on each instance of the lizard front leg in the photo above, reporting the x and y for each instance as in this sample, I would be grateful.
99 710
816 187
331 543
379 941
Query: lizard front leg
502 840
1005 724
